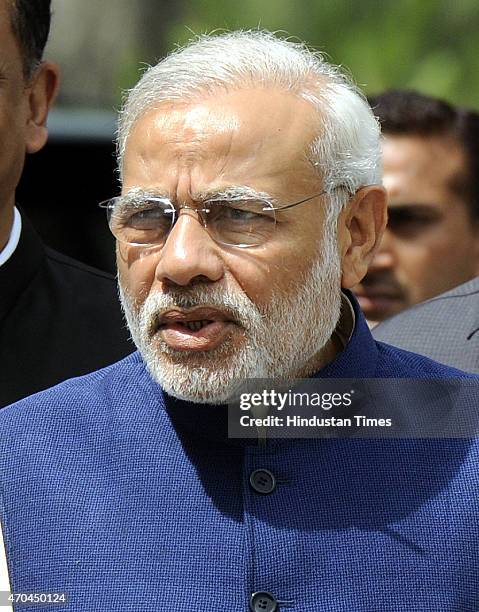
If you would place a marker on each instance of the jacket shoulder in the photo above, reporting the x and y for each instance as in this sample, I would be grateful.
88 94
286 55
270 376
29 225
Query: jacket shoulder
445 328
91 396
400 363
435 314
74 269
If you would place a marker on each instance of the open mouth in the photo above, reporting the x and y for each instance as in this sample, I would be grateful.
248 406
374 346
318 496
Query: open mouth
200 329
191 325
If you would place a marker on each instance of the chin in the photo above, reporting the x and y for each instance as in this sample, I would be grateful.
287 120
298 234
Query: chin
208 384
212 377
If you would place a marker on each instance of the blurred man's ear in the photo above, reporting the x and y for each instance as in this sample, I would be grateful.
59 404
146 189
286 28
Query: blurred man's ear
42 93
360 228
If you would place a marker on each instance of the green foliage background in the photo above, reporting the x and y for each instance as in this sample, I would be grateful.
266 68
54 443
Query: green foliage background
429 45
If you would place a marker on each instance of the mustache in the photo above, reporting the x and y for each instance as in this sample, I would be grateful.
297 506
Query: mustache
234 304
382 281
192 297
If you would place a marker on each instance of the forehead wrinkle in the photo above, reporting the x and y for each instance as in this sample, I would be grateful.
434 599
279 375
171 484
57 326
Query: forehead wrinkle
191 123
136 191
233 142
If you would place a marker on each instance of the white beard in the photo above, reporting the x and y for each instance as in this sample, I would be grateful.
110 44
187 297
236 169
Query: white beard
279 340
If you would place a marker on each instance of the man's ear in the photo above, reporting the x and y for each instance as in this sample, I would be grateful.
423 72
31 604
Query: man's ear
360 228
42 90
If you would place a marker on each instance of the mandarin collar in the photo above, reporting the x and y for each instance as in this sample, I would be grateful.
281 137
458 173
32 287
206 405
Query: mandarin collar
207 421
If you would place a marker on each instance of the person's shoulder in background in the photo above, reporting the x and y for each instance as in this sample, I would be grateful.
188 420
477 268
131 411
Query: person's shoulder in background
59 319
445 328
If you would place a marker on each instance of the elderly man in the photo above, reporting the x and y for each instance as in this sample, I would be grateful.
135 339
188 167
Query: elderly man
58 318
250 196
431 165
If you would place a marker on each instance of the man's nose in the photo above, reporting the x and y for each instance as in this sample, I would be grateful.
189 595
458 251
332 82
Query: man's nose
189 253
384 258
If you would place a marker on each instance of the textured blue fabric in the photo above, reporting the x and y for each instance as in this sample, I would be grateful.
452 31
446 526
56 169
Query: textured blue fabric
129 500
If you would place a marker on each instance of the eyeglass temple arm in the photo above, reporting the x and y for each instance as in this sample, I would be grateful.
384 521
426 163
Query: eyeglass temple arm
316 195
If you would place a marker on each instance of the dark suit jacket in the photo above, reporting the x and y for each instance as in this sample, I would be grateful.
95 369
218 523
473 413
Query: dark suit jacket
445 328
58 319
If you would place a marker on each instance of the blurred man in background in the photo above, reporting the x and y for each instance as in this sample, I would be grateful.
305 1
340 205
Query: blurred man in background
431 169
58 318
445 328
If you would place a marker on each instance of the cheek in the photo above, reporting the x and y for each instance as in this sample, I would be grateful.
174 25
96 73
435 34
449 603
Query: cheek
136 271
428 268
418 262
252 274
431 250
12 157
260 273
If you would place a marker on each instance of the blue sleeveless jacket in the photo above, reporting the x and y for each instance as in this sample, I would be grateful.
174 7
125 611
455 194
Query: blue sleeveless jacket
127 500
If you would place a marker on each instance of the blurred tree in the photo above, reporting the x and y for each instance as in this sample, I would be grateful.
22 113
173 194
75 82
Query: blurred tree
431 45
102 46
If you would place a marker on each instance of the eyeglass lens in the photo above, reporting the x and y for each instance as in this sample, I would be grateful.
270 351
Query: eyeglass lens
238 223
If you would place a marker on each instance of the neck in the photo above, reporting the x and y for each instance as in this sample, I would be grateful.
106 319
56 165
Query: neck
6 223
327 354
335 344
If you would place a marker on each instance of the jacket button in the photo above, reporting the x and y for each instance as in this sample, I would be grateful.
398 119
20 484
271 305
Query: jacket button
263 602
262 481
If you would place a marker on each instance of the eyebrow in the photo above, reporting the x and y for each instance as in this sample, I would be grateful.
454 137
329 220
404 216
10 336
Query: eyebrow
229 194
139 192
133 198
414 211
234 193
413 207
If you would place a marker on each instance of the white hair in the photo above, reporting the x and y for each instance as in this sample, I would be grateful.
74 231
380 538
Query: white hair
346 151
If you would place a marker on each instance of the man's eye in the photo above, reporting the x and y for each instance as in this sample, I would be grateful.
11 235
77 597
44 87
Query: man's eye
240 214
145 218
246 211
406 221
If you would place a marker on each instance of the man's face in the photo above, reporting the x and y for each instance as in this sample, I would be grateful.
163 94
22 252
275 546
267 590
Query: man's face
24 109
430 244
13 111
266 310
